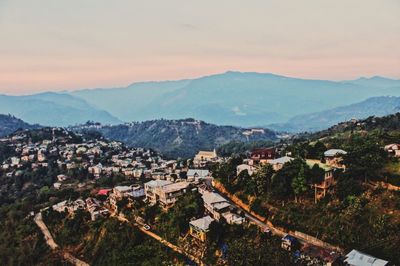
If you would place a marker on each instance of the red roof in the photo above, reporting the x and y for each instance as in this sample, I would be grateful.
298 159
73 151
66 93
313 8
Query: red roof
104 191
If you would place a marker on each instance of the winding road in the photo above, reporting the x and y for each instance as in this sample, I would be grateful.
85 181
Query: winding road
161 240
53 245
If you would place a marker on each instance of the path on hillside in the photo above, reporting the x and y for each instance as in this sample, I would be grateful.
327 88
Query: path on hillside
53 245
161 240
303 238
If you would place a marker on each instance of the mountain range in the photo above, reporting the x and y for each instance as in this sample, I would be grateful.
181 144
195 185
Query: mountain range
243 99
53 109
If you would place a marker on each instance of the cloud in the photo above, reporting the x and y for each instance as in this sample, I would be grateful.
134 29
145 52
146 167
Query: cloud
188 26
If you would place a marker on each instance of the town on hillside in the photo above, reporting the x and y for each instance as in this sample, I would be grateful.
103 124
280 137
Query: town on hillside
291 203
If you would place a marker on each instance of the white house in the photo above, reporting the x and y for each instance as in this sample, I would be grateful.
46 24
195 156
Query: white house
277 164
197 174
357 258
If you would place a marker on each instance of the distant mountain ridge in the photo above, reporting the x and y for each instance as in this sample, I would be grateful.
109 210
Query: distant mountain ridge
53 109
375 106
235 98
9 124
177 138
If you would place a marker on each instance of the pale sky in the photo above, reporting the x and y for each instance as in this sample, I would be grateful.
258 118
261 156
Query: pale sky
72 44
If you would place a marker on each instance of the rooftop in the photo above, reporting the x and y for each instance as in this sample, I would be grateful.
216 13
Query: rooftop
334 152
282 160
158 183
202 223
212 198
358 258
175 186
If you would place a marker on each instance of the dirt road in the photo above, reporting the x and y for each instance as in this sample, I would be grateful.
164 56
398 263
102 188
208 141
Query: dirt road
53 245
161 240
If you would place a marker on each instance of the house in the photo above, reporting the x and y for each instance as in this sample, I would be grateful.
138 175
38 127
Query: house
357 258
61 178
218 207
41 157
289 242
197 174
215 204
70 206
261 155
202 157
277 164
327 182
334 157
120 192
164 192
393 149
104 192
15 161
243 167
94 208
96 170
199 228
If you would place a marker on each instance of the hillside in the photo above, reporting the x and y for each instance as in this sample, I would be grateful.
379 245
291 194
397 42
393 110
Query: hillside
383 125
176 138
375 106
9 124
235 98
53 109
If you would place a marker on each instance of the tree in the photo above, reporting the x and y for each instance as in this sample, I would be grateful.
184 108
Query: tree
347 186
263 179
216 231
316 151
282 181
317 174
299 184
365 157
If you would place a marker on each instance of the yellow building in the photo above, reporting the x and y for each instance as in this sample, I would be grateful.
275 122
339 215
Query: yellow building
205 156
199 228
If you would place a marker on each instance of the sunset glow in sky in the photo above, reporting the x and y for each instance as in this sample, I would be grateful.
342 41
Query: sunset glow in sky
60 44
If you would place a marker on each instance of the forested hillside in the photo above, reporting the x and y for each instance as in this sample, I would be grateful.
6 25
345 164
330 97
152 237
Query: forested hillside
177 138
9 124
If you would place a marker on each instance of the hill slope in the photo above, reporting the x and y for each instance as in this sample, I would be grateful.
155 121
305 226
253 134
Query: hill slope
375 106
176 138
9 124
53 109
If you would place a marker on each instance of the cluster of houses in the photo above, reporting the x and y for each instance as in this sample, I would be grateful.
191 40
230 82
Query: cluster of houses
333 160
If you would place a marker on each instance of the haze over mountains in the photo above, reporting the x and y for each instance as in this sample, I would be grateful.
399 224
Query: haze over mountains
233 98
53 109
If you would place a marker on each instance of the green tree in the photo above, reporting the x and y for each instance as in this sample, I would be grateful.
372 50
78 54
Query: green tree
263 179
365 157
317 174
299 184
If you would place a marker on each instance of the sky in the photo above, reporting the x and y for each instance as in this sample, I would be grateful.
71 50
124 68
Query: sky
72 44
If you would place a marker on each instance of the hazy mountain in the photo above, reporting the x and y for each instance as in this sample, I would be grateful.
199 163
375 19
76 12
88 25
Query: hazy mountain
375 106
53 109
9 124
176 138
130 103
235 98
376 81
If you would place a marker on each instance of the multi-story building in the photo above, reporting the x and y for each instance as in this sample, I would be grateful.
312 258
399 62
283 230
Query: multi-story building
164 192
